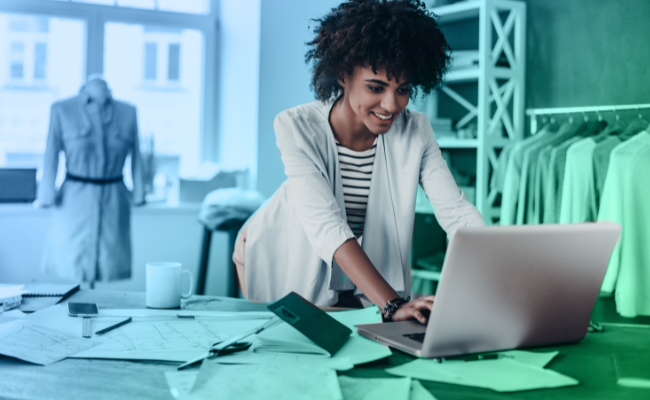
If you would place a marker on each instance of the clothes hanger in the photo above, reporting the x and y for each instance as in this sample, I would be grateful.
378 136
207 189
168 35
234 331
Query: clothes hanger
635 126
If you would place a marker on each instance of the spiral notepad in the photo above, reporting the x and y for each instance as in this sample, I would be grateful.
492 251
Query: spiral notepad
49 290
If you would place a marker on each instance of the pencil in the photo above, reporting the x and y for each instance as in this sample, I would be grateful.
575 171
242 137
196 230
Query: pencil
110 328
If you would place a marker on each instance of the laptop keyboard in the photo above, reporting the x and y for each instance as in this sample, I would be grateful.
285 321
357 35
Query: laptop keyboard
418 337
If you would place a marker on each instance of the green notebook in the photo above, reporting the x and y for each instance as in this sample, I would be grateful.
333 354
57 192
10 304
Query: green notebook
326 332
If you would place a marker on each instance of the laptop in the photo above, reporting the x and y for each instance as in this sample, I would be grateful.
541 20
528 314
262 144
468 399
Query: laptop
509 287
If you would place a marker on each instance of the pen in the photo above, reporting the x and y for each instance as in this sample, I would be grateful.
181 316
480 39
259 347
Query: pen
476 357
110 328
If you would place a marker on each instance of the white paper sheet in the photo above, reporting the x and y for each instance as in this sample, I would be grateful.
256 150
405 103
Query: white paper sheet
166 340
37 344
247 382
375 388
181 382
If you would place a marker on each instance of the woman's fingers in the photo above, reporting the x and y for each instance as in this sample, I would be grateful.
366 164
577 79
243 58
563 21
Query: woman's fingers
418 315
428 305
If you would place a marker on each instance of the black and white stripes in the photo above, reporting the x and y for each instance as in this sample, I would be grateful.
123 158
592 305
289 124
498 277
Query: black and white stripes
356 172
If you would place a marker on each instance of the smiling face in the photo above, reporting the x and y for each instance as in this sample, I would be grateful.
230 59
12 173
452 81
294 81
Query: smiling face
375 100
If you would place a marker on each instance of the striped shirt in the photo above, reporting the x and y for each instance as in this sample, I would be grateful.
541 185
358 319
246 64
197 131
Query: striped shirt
356 172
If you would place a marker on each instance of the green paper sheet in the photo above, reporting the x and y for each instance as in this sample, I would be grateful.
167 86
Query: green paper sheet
248 382
502 375
375 388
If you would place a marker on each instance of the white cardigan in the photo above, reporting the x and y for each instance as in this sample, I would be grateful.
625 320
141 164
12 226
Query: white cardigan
291 240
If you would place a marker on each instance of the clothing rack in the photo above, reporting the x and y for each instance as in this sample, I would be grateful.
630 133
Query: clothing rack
533 113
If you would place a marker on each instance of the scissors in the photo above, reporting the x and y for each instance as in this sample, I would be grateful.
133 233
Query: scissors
232 345
233 348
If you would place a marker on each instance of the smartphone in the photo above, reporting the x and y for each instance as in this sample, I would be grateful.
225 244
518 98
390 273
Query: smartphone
82 309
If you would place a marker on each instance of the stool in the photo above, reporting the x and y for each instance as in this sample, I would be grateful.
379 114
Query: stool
232 227
225 210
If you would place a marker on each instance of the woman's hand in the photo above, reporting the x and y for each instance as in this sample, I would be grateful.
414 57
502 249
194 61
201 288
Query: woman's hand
416 309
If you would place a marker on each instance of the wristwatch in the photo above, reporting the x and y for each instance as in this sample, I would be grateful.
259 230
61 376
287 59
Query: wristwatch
392 306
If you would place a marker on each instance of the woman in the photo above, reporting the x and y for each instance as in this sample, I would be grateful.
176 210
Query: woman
338 231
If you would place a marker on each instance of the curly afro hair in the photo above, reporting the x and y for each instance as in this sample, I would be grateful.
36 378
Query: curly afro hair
400 36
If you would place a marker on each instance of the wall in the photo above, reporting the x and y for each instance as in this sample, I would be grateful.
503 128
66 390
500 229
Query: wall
284 76
239 56
587 52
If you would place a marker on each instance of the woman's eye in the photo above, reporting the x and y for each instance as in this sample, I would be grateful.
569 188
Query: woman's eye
376 89
404 91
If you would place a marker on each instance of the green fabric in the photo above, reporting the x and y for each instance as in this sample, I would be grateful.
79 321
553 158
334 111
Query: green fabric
625 200
535 210
601 163
579 194
554 182
510 194
541 176
527 182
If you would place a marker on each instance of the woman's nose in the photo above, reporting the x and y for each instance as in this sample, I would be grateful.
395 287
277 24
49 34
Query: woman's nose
389 102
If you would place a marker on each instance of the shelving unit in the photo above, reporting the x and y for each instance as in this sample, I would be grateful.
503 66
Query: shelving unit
499 108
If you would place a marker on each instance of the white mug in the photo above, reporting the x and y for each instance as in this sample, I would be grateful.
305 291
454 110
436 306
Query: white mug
164 285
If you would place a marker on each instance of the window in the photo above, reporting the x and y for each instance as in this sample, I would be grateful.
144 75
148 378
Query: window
174 56
42 60
168 94
183 6
17 58
151 59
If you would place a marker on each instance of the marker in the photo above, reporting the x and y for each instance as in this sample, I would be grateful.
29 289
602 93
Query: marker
110 328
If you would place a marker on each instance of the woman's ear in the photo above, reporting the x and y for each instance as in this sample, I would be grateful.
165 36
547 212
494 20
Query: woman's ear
341 81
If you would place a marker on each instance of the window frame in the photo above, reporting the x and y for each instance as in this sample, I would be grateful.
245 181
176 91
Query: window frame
96 16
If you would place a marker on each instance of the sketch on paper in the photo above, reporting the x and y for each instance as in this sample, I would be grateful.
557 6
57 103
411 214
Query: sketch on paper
37 344
164 336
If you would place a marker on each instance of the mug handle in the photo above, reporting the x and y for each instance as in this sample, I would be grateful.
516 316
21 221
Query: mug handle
189 292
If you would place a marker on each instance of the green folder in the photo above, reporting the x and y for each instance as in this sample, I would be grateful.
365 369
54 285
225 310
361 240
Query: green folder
326 332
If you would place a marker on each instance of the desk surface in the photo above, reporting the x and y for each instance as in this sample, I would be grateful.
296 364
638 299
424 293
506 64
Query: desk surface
589 361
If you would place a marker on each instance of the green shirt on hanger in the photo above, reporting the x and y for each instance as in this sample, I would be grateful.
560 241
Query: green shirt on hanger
554 186
536 209
554 182
579 194
512 179
526 184
601 163
625 200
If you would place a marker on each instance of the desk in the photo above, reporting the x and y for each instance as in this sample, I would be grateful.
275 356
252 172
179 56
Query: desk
588 361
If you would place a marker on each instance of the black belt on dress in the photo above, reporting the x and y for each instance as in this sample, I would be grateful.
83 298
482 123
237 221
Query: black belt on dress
93 180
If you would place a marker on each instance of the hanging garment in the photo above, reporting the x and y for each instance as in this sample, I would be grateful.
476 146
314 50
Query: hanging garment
527 182
604 149
90 234
534 212
578 202
625 201
513 177
554 185
601 163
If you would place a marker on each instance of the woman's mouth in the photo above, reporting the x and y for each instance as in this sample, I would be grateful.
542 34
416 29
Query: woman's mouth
383 117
